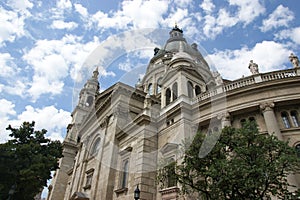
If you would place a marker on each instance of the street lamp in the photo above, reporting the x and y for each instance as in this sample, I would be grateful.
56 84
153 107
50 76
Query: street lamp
137 193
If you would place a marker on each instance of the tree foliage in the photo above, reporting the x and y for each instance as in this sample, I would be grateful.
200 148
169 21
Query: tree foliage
243 164
26 162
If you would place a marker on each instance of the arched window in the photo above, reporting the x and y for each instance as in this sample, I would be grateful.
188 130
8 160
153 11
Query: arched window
175 91
285 120
89 101
252 119
150 89
190 89
95 147
158 88
197 90
294 115
168 96
297 147
125 173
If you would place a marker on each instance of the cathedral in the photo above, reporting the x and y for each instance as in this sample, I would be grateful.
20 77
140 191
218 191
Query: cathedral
120 137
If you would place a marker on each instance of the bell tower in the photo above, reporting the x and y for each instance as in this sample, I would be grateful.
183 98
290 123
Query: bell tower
85 104
71 143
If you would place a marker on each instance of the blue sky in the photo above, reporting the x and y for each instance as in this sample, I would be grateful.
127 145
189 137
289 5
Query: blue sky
49 48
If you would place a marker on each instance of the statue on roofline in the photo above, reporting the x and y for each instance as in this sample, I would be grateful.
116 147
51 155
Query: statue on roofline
253 67
294 60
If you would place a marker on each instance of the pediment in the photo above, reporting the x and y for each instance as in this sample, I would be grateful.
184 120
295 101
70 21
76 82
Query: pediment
169 147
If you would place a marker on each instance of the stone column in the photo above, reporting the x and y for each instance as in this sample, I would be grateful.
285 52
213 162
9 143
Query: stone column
163 97
270 119
225 119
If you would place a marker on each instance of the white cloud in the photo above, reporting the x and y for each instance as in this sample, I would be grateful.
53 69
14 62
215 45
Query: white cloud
126 66
207 5
59 24
183 3
281 16
233 64
16 86
292 34
131 13
21 6
7 109
214 26
81 10
11 25
248 10
177 15
52 60
62 7
50 118
40 85
64 4
8 68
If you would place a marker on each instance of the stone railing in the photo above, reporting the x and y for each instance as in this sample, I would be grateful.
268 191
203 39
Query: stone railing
249 80
278 75
239 83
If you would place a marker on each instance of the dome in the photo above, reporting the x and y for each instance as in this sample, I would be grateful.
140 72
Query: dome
181 54
178 46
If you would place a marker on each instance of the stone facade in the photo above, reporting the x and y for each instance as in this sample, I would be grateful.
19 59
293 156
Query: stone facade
119 138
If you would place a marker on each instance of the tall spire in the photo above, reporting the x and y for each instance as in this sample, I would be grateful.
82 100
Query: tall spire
96 73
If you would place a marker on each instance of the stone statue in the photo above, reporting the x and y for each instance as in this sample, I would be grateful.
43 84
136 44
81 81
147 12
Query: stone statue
294 59
253 67
218 78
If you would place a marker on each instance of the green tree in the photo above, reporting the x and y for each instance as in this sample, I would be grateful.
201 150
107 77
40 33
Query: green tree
26 162
243 164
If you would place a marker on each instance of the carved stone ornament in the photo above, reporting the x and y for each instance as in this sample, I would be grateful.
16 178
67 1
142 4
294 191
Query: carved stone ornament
225 116
267 106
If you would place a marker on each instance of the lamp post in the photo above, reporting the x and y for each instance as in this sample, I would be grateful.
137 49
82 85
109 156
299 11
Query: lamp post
137 192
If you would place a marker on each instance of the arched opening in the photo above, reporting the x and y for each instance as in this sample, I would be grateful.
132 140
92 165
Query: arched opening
150 89
297 147
89 101
96 147
197 90
125 174
190 89
285 120
175 91
294 115
168 96
158 88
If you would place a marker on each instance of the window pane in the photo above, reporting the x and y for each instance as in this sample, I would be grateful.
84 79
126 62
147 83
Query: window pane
197 90
294 116
175 91
190 89
285 120
125 174
168 96
96 147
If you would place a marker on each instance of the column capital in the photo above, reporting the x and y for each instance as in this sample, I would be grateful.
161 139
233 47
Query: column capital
223 116
267 106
